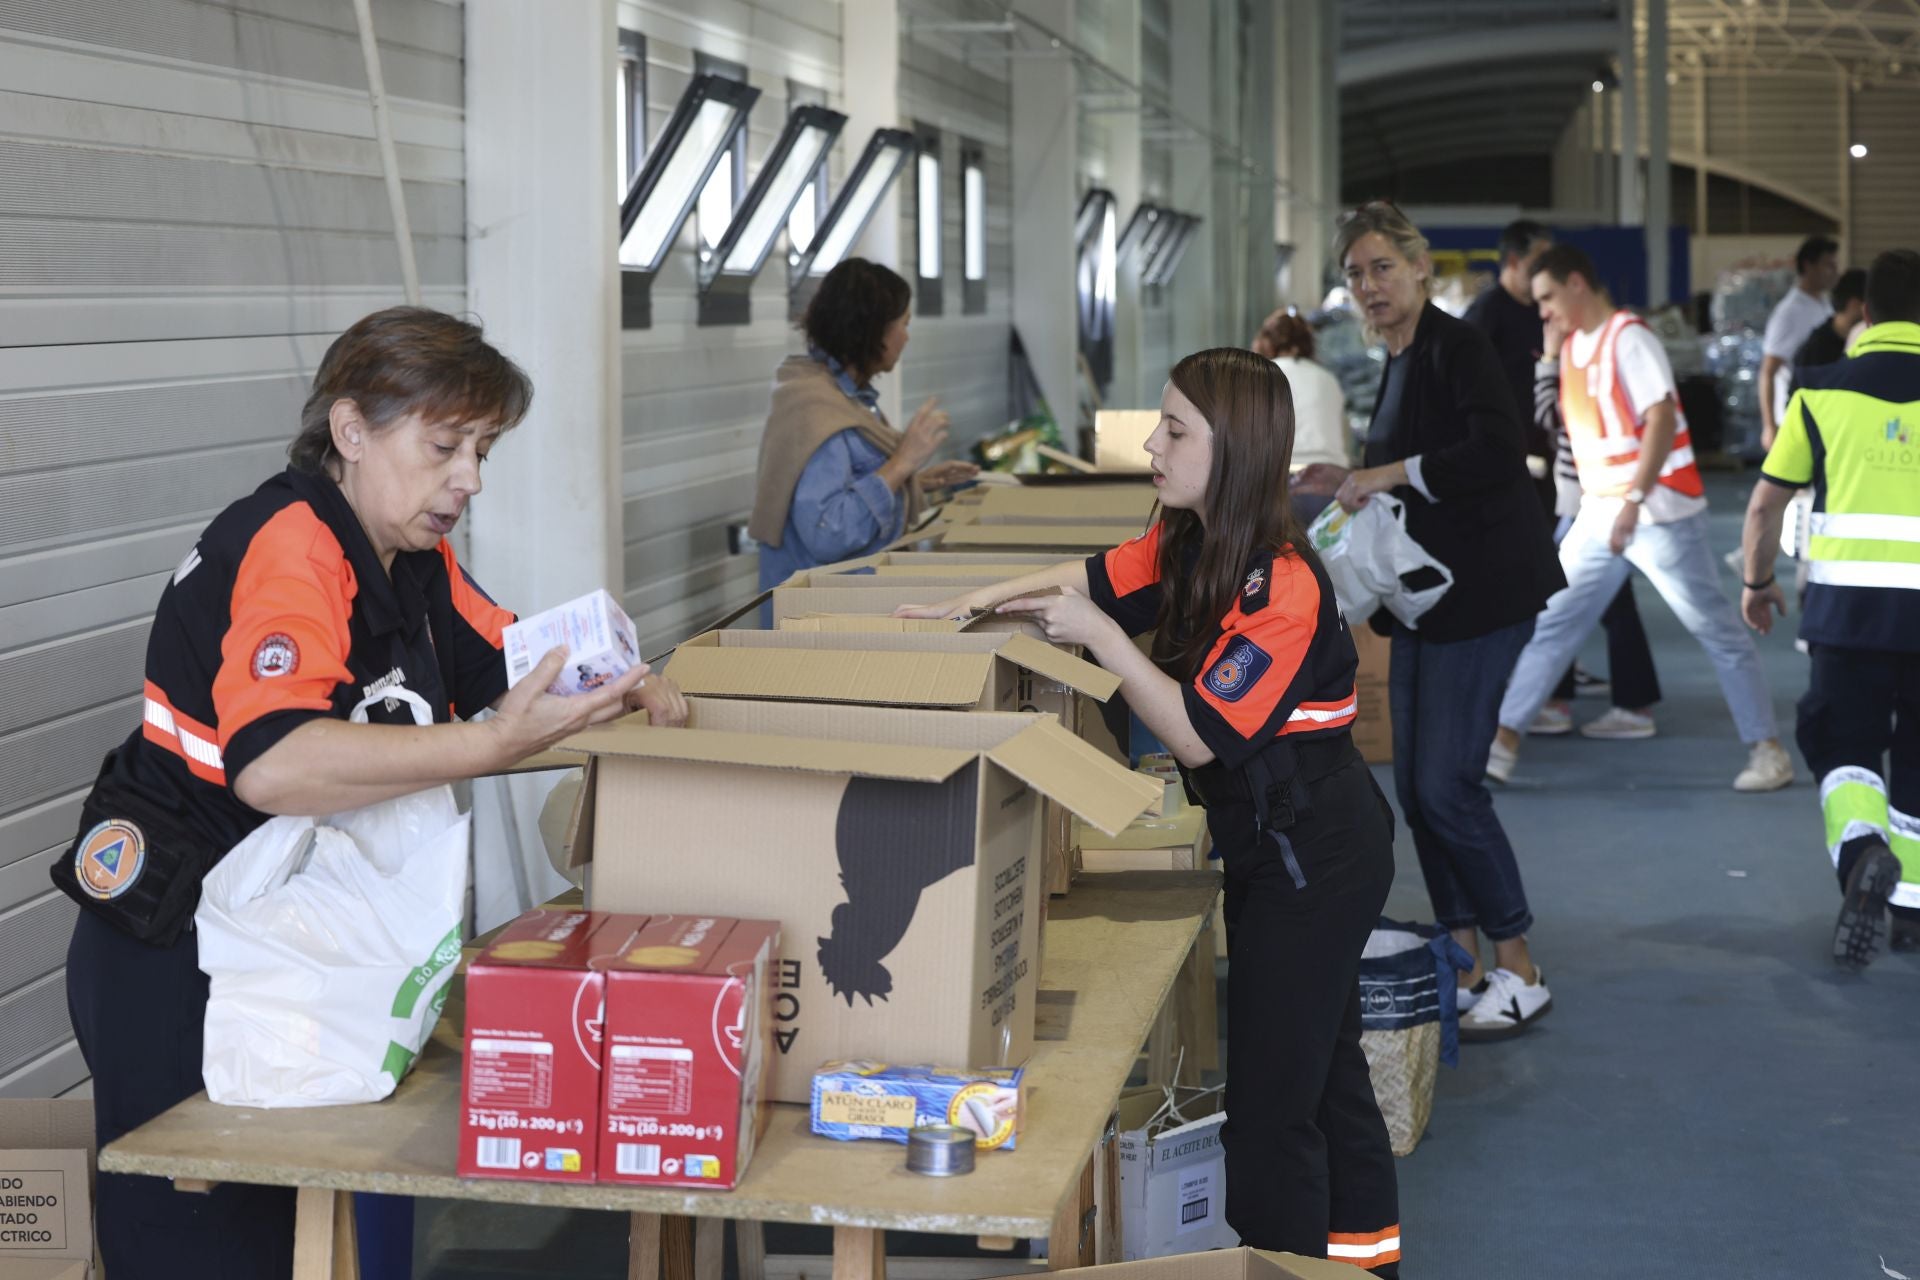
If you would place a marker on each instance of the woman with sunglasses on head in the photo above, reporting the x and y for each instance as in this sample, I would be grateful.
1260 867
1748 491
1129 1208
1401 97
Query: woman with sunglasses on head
1250 685
1446 441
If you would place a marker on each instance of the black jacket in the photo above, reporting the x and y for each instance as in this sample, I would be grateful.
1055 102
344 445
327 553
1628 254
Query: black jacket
1458 415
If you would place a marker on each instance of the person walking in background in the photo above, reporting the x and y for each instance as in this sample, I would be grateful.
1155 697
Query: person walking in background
1319 403
836 479
1507 315
1828 342
1849 435
1642 507
1446 440
1816 267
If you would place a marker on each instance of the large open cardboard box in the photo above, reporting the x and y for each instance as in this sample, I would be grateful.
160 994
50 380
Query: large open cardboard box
1093 503
979 671
899 850
1078 538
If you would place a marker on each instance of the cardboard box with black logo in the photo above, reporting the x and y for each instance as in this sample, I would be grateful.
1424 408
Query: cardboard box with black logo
899 851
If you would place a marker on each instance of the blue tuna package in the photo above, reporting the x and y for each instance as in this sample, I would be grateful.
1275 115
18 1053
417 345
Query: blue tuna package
854 1100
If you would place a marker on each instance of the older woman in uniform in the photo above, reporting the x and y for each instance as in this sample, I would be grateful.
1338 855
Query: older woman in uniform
330 584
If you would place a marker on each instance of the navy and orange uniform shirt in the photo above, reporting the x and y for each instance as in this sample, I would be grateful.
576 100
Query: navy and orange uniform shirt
1280 663
282 614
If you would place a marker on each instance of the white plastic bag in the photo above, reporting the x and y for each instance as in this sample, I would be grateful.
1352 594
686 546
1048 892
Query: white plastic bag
1369 556
329 944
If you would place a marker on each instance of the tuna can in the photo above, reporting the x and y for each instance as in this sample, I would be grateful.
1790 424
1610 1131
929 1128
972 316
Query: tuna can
940 1150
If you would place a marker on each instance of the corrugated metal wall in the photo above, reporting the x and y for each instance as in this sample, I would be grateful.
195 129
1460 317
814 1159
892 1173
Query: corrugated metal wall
1779 127
1886 183
694 398
192 209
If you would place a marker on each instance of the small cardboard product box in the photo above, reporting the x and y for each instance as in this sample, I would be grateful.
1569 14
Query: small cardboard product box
1373 724
899 851
46 1194
990 671
530 1085
854 1100
1224 1264
1170 842
688 1027
1173 1177
594 630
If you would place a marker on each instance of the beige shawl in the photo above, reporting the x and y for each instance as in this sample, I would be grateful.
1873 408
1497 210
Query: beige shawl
809 409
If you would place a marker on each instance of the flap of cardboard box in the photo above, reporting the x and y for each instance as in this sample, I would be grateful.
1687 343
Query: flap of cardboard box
800 602
874 639
959 574
871 624
1065 536
908 679
1095 502
1065 768
541 761
773 751
1154 832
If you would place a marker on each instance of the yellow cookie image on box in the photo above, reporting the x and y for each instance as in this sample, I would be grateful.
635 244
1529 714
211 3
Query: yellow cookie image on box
532 949
663 957
973 1108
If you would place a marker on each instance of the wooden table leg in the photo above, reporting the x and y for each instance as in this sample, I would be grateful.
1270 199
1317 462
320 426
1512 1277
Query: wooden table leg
1070 1243
678 1253
709 1248
1160 1045
643 1246
325 1245
859 1253
750 1247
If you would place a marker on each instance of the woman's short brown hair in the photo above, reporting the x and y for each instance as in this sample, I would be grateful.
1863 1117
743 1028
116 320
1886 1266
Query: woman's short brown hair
850 313
1284 333
409 360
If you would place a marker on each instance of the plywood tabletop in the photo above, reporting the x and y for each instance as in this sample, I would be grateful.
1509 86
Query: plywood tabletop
1111 952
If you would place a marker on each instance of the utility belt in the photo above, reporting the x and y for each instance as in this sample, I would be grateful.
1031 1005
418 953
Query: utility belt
133 862
1278 784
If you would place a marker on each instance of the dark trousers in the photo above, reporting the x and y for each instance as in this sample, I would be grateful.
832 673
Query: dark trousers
138 1012
1862 709
1636 685
1309 1163
1446 706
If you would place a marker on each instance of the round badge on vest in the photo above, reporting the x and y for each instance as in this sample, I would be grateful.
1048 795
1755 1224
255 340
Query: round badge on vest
110 859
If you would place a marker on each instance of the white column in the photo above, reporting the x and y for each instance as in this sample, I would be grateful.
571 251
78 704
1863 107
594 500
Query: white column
1191 294
1630 210
1659 174
1124 180
542 277
870 98
1305 99
1844 89
1045 161
1262 115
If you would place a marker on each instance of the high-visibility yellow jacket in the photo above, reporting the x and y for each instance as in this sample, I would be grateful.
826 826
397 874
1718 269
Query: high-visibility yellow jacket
1852 432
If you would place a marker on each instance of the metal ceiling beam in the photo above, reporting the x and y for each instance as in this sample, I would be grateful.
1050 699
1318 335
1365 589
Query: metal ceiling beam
1509 80
1422 57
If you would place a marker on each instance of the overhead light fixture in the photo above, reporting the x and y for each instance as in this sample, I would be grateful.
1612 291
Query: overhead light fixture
1858 151
1145 217
887 152
1599 86
1094 207
1159 271
711 111
804 142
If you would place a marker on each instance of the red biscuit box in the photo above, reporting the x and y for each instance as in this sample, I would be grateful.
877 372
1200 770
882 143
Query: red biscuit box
530 1088
688 1046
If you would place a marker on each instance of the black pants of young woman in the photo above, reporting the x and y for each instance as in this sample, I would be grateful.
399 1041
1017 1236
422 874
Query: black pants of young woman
138 1012
1309 1164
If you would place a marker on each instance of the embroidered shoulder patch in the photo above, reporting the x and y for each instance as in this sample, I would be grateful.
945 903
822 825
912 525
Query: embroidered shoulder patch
1237 670
277 655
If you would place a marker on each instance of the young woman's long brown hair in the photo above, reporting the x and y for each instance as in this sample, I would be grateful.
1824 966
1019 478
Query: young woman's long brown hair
1248 404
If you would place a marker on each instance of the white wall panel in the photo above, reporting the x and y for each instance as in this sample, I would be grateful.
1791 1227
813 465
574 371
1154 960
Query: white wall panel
193 210
1886 184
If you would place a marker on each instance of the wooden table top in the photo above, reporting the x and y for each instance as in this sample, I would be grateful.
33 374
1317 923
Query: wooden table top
1111 952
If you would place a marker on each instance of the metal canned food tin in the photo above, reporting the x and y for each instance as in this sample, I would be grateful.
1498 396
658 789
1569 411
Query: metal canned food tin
940 1150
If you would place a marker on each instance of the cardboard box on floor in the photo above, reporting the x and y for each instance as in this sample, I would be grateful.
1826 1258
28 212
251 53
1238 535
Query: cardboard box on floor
898 850
1373 725
1173 1177
46 1189
994 671
1223 1264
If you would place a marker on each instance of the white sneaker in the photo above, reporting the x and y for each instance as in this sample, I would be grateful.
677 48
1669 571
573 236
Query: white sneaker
1507 1007
1464 998
1555 718
1500 762
1619 723
1768 769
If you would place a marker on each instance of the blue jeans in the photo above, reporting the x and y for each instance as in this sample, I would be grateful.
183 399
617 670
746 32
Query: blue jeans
1676 558
1445 702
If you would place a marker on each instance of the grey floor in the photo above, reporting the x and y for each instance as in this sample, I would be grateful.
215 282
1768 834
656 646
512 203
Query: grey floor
1710 1096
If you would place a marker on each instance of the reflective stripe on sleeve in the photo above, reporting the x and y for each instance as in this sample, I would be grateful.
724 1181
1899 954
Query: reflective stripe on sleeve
192 741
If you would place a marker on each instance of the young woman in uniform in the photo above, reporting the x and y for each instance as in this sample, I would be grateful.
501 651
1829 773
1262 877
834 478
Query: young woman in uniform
1251 686
329 585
